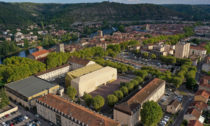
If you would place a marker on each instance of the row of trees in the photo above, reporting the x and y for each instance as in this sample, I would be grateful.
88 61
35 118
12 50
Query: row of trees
4 100
57 59
16 68
170 39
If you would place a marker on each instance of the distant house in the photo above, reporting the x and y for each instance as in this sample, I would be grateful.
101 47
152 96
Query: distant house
38 55
198 51
194 123
174 107
192 114
205 83
200 106
201 96
128 112
77 63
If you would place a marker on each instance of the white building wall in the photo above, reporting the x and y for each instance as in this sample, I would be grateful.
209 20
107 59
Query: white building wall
53 74
201 53
90 83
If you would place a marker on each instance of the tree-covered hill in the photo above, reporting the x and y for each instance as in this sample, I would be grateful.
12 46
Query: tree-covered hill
26 13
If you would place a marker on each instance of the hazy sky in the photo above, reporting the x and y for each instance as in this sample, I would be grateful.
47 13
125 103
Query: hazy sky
121 1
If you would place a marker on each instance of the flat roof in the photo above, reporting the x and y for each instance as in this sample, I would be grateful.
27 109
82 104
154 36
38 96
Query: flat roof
84 70
30 86
76 111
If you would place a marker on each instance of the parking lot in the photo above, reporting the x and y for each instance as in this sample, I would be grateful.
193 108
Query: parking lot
23 117
139 62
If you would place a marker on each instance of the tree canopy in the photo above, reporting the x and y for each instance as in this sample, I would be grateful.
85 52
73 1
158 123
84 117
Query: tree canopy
98 102
151 113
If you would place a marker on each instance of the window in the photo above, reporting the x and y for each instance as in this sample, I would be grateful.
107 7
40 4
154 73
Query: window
58 120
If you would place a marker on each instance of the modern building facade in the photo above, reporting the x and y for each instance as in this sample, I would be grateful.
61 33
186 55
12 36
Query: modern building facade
62 112
128 113
27 90
89 82
182 50
80 72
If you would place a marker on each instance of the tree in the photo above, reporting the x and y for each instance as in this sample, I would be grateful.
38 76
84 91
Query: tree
177 81
153 56
151 113
4 100
98 102
191 83
124 90
118 94
111 100
130 86
145 54
71 92
88 99
121 28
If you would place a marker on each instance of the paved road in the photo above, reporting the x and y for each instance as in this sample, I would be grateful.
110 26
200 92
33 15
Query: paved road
186 102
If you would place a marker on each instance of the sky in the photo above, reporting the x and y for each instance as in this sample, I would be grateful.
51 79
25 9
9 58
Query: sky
120 1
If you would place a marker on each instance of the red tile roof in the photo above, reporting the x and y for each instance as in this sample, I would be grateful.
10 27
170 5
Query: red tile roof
205 81
203 93
140 97
76 111
195 123
41 52
197 48
194 112
199 105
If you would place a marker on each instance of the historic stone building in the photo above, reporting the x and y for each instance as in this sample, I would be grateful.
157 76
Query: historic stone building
128 113
62 112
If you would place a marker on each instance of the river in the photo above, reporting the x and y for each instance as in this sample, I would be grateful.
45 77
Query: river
27 52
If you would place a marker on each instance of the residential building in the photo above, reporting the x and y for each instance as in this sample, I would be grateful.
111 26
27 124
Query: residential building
194 123
76 63
206 67
128 113
25 91
173 107
201 96
200 106
53 73
60 48
182 50
89 81
205 83
62 112
198 51
39 55
192 114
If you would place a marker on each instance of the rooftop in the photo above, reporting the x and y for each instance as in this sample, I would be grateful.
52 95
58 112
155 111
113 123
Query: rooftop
194 113
79 61
30 86
199 105
140 97
84 70
41 52
78 112
198 48
195 123
175 103
203 93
